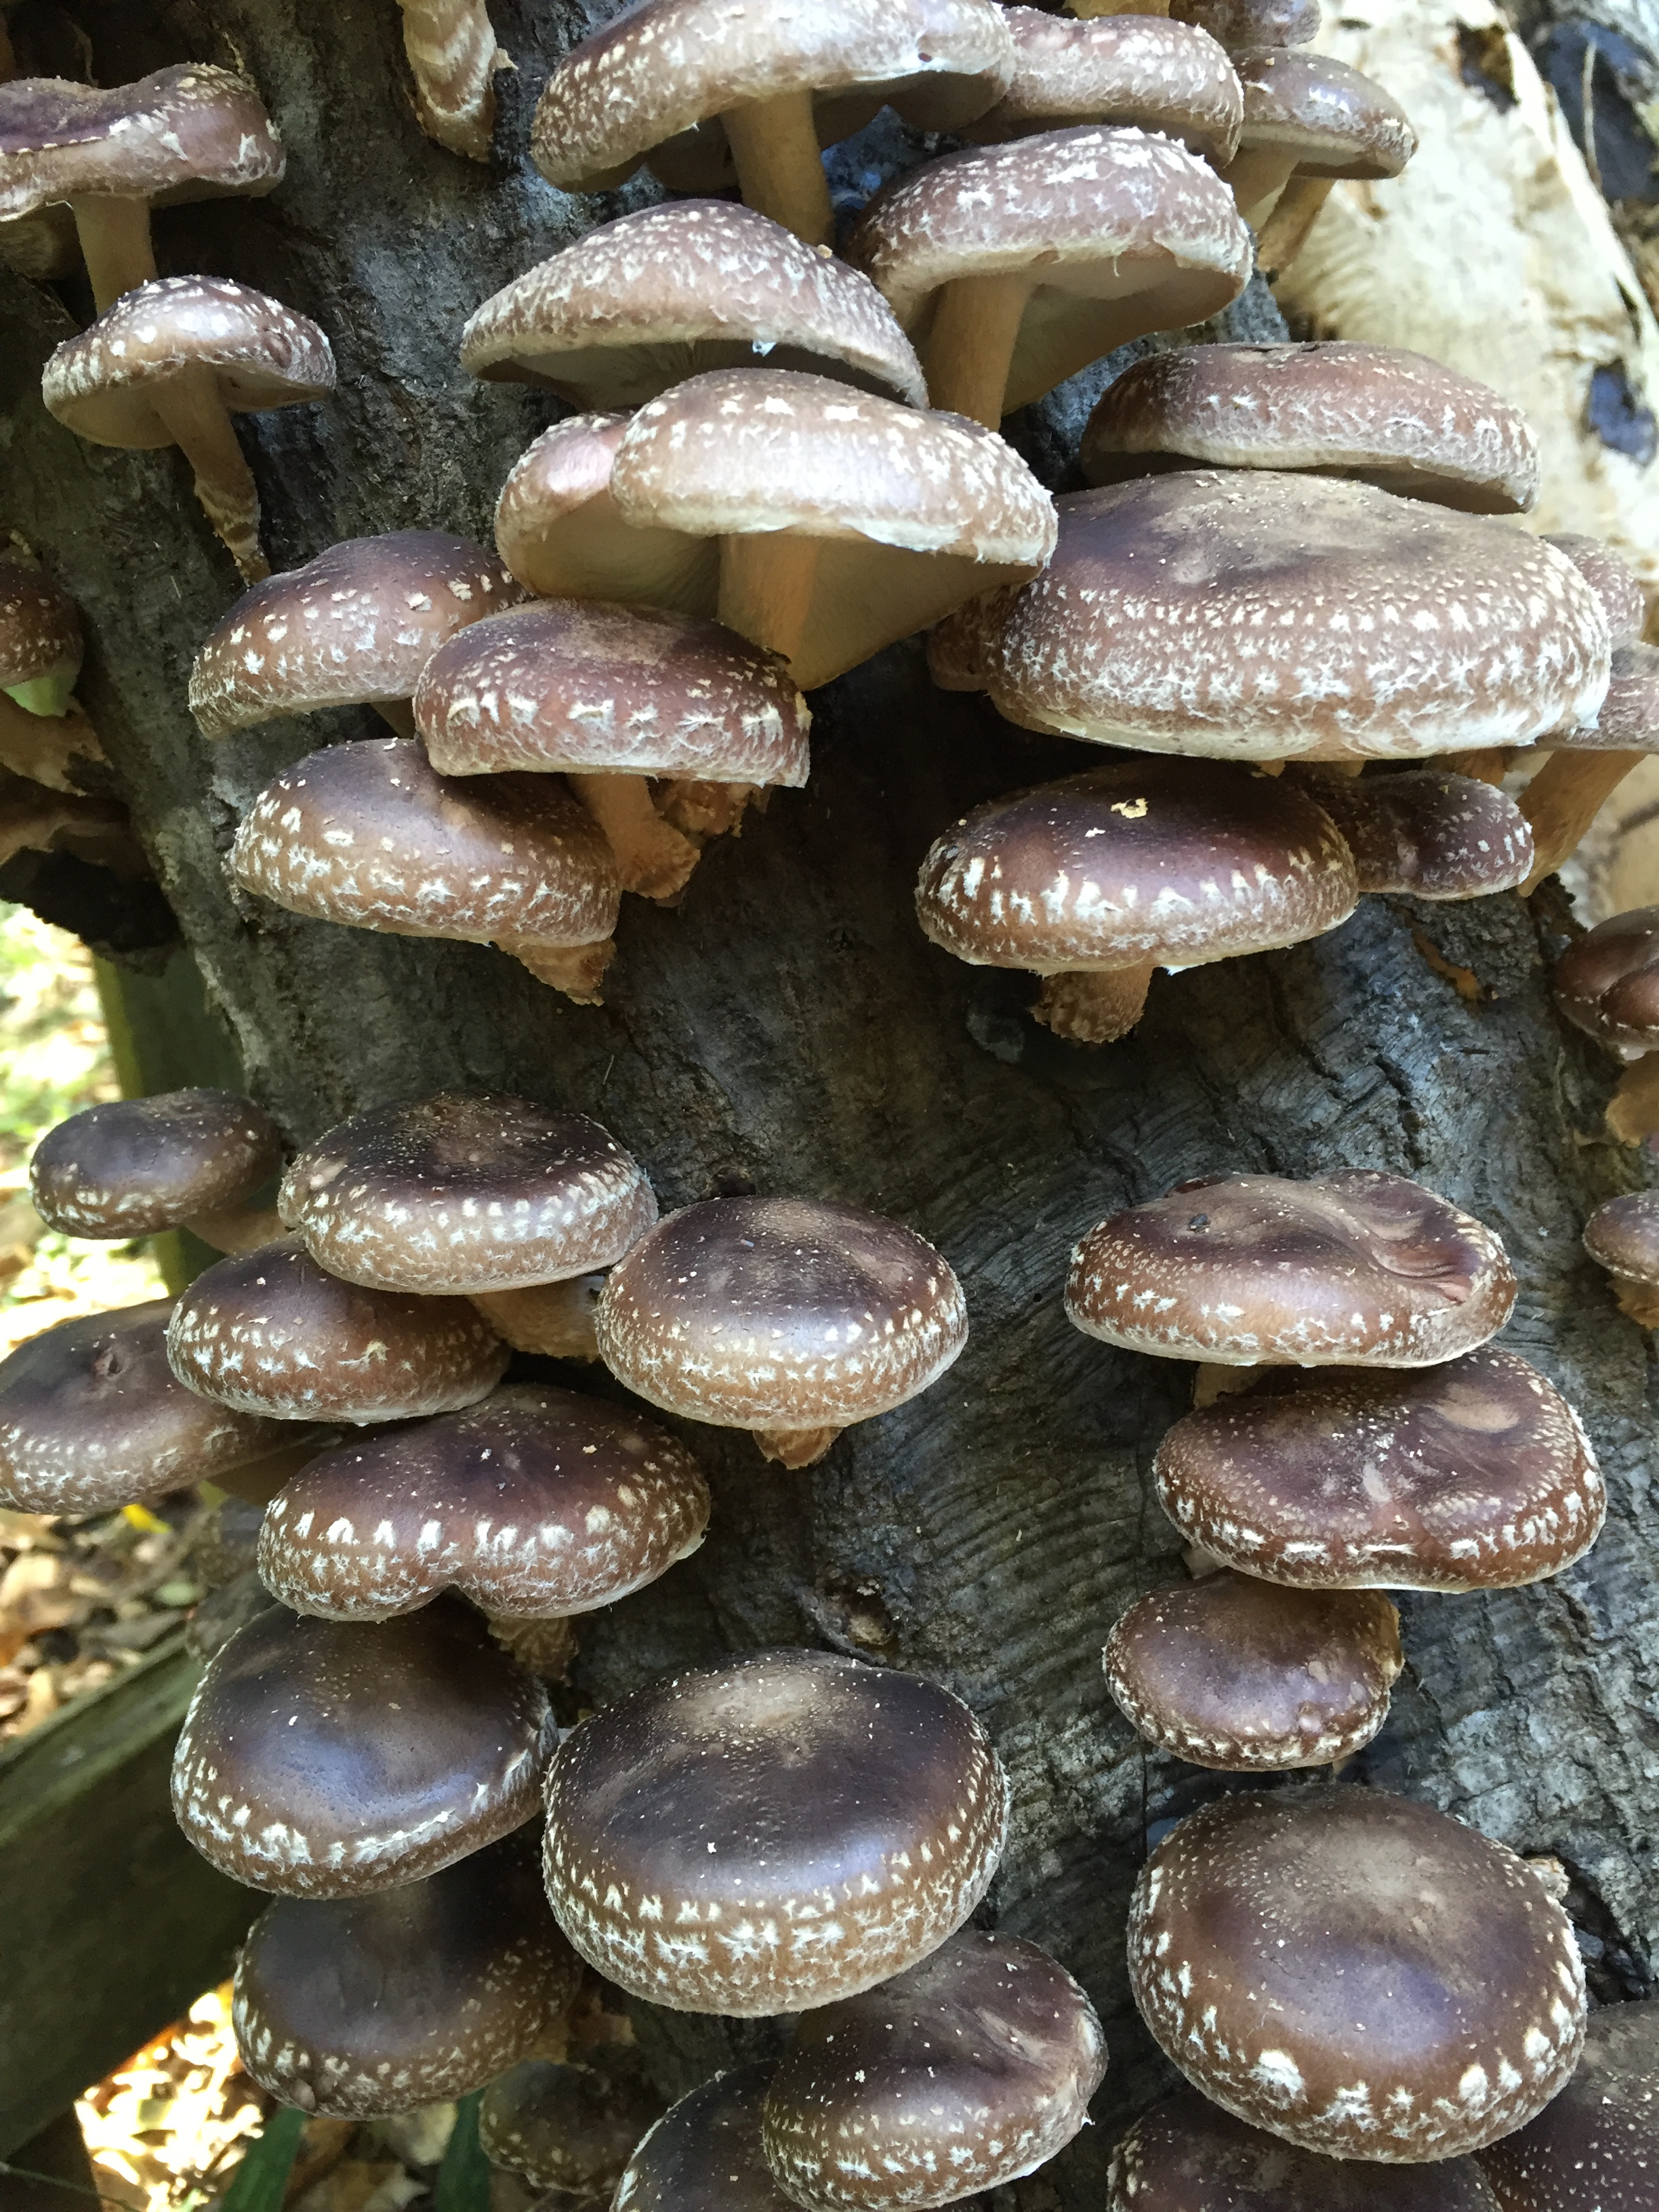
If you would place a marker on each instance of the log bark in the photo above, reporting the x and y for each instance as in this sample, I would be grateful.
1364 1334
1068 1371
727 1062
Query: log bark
787 1029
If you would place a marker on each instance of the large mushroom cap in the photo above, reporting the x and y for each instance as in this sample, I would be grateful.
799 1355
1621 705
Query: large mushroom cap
537 1502
1473 1475
322 1762
136 1166
40 629
705 2155
1425 831
363 2005
1334 121
1259 614
1237 23
570 2129
1140 70
1606 983
1360 1974
356 625
1624 1236
1612 579
1390 418
961 2073
670 292
1355 1268
184 133
773 1834
1591 2149
270 1332
464 1192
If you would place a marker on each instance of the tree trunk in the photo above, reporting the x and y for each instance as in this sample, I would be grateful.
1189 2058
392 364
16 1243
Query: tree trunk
788 1030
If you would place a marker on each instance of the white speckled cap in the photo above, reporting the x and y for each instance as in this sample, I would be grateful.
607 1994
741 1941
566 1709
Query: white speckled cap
1607 982
571 2126
1613 579
1425 831
1623 1236
705 2155
1628 719
1141 71
40 629
1331 120
562 535
134 1167
185 133
1362 1975
1237 23
1594 2144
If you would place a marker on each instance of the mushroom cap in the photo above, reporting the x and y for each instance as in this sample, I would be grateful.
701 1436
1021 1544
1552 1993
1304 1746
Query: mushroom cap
779 1313
92 1416
1623 1236
357 624
704 2155
1628 718
1252 22
187 133
964 2072
594 689
570 2129
1591 2149
1337 122
1390 418
1425 831
1123 231
772 1834
1612 579
1232 1672
362 2005
1141 71
1473 1475
370 834
40 626
134 1167
1175 861
270 1332
670 292
536 1503
1362 1975
322 1762
665 66
1607 982
1258 614
1356 1268
1188 2155
466 1192
100 383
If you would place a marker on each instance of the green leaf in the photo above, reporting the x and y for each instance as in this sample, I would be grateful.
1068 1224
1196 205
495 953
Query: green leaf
464 2176
261 2179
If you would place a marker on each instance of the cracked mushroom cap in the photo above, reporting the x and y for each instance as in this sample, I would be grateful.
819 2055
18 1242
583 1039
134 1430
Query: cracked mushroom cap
190 132
535 1504
1473 1475
1425 831
466 1192
773 1834
1336 122
1613 581
1236 23
355 626
779 1313
270 1332
963 2073
1623 1236
1257 614
1356 1268
1390 418
570 2129
1592 2149
1123 231
1362 1975
592 688
92 1416
100 383
652 75
322 1762
1140 70
1606 983
670 292
1627 721
358 2005
40 633
135 1167
705 2155
1174 861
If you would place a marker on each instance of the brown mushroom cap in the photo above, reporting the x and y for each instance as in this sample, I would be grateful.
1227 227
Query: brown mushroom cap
775 1833
1473 1475
187 133
779 1313
705 2155
1231 1672
91 1417
1335 121
322 1762
1391 418
1623 1236
135 1167
1606 983
1591 2149
270 1332
568 2129
1355 1268
363 2005
1252 22
535 1503
594 688
1425 831
963 2073
1627 721
1139 71
1258 614
1362 1975
1613 581
670 292
40 634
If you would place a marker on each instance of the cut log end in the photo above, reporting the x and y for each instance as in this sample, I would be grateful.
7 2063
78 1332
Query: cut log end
795 1447
1093 1006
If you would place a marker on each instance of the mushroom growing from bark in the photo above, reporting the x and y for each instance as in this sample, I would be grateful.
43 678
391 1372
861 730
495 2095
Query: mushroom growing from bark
1308 120
178 1159
454 59
1425 831
1137 70
705 2155
1593 2146
43 728
1623 1236
1606 983
570 2129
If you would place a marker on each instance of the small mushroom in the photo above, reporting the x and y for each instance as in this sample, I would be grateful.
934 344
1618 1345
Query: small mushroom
1623 1236
1591 2149
1236 23
963 2073
168 365
1606 983
319 1761
1136 70
454 59
43 728
1310 118
1425 831
772 1834
1612 581
568 2128
792 1318
1362 1975
705 2155
178 1159
362 2005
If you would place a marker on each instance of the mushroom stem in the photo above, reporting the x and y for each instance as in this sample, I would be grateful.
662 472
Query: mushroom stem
1211 1381
1487 764
971 344
795 1447
1639 1300
1634 1111
257 1481
1564 798
543 1647
41 746
115 244
767 581
1256 178
1286 231
575 970
1094 1006
200 426
241 1229
398 715
705 810
556 1318
774 146
651 857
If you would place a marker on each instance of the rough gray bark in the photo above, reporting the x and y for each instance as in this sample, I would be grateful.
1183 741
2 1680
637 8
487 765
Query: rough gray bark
788 1030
